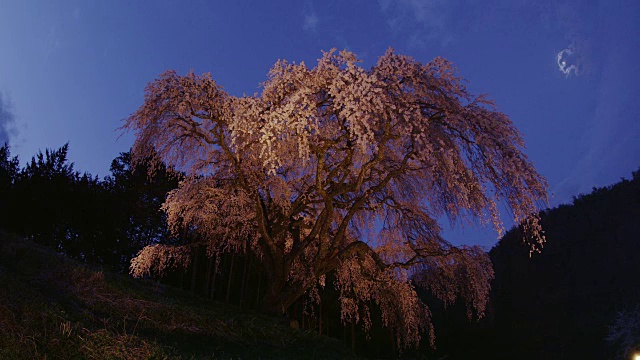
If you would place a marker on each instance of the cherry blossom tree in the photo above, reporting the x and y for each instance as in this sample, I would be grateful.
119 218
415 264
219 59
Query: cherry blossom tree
338 168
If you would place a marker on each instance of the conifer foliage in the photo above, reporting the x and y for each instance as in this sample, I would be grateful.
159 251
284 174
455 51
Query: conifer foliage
97 221
344 170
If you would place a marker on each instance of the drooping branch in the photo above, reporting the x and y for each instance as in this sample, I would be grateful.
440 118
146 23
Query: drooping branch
303 173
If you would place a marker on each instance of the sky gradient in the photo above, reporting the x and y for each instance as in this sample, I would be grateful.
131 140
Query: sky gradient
566 72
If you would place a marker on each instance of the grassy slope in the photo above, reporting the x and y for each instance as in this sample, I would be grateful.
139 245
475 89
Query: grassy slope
56 308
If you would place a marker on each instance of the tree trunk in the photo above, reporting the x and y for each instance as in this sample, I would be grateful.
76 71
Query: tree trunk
280 294
393 343
194 272
244 279
353 338
279 297
213 281
258 290
320 318
233 258
344 335
207 282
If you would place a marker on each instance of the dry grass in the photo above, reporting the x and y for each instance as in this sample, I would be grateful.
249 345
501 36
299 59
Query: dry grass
52 307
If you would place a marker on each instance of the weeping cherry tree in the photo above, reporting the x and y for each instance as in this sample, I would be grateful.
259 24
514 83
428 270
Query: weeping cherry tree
342 169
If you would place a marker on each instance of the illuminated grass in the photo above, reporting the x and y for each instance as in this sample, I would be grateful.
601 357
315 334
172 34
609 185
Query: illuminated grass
56 308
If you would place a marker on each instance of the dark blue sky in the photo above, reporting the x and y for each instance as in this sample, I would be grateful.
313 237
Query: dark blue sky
566 72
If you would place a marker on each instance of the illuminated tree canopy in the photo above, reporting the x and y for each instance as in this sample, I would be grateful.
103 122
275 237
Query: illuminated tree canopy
338 168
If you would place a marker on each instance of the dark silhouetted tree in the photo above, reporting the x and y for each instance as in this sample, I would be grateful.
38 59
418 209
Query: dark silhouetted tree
44 190
136 199
105 222
9 170
559 303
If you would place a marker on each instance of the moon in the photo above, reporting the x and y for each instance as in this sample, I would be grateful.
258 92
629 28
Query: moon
568 61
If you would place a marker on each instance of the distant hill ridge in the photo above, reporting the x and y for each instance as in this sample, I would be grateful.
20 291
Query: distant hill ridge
560 303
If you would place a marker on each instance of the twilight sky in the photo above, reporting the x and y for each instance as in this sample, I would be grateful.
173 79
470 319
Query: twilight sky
566 71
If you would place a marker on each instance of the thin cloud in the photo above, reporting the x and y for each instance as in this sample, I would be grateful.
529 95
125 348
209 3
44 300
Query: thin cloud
76 13
7 120
52 42
422 20
310 20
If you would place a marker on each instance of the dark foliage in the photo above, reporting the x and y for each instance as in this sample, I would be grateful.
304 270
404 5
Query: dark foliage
97 221
136 198
566 302
560 303
9 169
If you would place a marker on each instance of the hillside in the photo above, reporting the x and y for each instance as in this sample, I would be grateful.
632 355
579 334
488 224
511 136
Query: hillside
56 308
559 304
